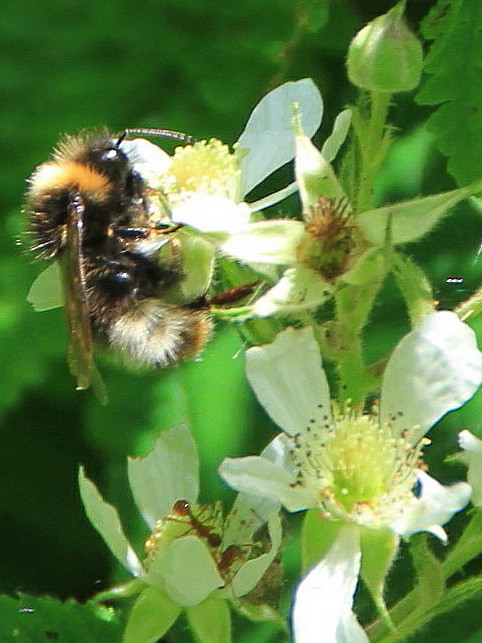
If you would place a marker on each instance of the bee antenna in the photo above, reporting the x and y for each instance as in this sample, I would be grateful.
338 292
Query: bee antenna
157 133
121 138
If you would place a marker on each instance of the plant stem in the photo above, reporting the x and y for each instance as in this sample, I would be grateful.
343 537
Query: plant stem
373 142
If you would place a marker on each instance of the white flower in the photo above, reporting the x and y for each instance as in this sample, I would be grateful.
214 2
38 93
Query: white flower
187 553
211 200
363 470
472 457
203 186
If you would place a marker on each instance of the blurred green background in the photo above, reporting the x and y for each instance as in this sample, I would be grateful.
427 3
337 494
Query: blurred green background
197 66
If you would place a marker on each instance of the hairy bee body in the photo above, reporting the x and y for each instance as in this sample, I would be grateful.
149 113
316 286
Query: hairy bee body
88 208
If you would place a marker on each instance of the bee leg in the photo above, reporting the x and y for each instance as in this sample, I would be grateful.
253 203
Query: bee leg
233 295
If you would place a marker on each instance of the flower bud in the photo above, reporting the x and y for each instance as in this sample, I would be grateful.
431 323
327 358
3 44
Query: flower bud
385 56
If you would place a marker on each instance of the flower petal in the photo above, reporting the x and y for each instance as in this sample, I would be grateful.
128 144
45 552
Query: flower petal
211 213
341 127
168 473
298 289
46 291
314 175
435 506
274 242
324 598
440 367
472 456
268 136
249 512
105 519
289 381
258 476
251 572
197 260
186 571
149 160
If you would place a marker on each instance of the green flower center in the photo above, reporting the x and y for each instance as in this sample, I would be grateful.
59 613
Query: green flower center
364 472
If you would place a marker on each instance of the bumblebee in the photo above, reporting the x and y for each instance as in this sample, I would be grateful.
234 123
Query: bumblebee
89 209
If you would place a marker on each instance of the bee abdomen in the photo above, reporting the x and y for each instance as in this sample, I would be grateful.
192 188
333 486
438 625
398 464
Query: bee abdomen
159 334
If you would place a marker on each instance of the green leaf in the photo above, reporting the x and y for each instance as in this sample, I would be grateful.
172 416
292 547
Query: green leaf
453 597
453 66
151 616
36 619
409 220
210 621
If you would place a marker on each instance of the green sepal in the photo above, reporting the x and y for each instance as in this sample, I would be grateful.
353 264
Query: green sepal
378 547
210 620
414 287
430 579
151 616
317 536
338 135
261 612
409 220
370 267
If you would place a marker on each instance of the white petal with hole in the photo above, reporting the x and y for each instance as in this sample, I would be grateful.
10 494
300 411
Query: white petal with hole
168 473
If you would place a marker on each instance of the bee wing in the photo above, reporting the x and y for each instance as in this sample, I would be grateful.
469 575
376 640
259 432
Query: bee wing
80 347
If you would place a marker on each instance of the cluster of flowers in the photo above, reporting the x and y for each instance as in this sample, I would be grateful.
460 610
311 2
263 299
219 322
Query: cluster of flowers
358 471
